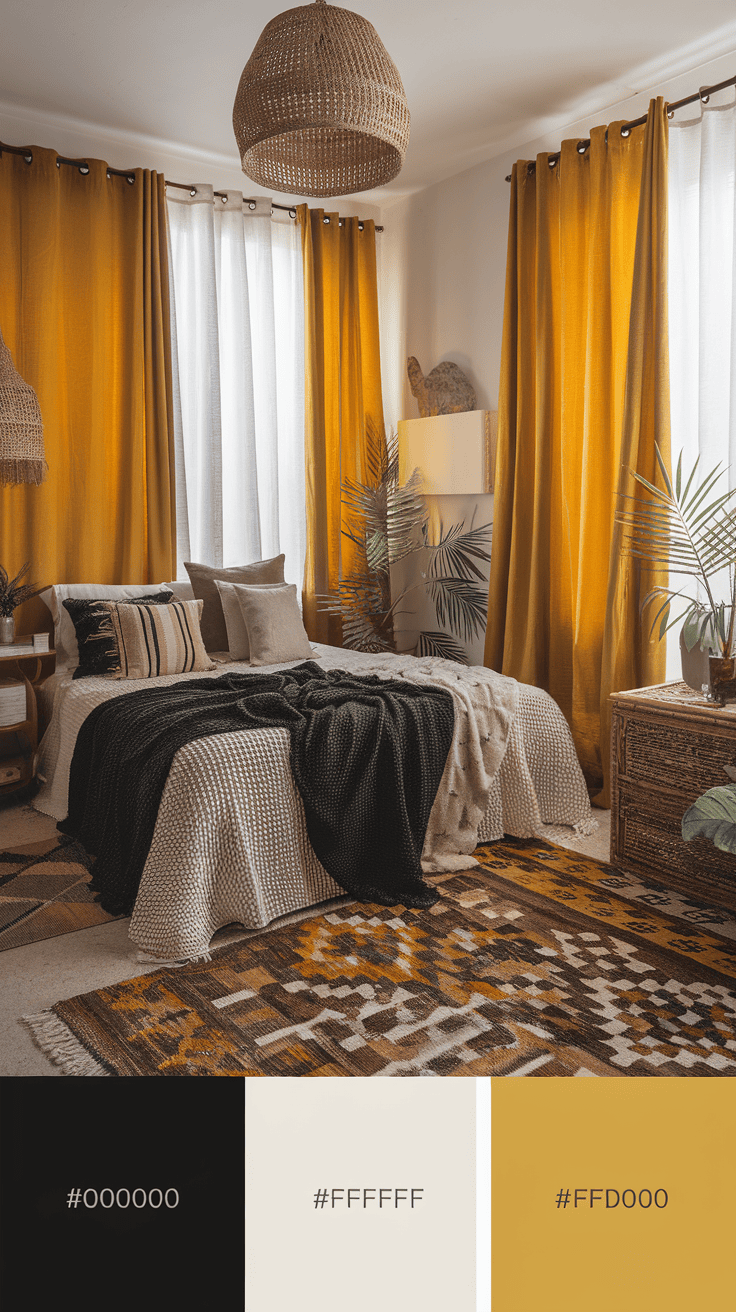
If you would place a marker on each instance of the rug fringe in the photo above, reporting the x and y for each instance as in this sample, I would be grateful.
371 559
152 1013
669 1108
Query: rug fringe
57 1042
149 957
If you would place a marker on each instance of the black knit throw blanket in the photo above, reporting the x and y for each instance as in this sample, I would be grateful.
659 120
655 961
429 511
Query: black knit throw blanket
367 755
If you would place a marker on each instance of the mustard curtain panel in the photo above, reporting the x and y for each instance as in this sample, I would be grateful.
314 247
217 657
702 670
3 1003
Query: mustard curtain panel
582 388
343 400
84 310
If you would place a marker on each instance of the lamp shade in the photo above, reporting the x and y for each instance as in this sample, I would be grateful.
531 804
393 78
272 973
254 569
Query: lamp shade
21 429
320 109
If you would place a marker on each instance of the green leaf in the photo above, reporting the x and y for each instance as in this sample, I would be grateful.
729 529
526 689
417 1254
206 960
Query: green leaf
713 816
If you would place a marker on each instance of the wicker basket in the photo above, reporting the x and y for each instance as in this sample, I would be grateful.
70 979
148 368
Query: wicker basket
320 109
21 430
669 746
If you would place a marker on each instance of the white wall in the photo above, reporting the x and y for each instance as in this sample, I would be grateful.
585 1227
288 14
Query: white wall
443 259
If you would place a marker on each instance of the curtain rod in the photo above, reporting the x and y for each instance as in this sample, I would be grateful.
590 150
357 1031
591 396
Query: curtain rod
129 176
703 94
191 187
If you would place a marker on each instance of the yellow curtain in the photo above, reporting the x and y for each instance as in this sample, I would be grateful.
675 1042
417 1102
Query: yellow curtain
84 309
583 388
343 400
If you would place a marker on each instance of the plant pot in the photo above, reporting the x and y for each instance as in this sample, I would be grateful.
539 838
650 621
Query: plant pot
722 678
695 670
7 629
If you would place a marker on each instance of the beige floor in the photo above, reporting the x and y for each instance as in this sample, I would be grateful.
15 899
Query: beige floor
33 978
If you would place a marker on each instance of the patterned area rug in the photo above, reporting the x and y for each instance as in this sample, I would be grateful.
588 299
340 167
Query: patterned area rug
541 962
44 892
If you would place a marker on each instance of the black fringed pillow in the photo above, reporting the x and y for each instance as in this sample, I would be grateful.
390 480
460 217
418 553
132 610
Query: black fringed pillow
98 648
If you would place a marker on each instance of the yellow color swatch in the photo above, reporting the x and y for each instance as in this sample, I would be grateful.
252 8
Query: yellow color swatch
666 1149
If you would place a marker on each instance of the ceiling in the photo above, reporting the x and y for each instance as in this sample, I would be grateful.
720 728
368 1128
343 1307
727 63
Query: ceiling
480 78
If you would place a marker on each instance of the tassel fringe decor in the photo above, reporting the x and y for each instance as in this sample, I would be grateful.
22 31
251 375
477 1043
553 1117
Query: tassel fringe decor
23 471
21 427
56 1040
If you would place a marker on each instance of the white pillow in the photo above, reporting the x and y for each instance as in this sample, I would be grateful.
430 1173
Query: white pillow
65 636
237 633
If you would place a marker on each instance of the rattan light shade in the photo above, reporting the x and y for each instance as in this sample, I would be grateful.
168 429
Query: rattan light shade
320 109
21 430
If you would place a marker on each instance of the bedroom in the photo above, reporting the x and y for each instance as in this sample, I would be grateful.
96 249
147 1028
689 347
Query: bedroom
442 251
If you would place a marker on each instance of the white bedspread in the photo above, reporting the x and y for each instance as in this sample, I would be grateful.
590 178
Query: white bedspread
230 843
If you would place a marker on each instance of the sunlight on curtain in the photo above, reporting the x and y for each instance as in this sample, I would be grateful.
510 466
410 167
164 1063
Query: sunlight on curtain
563 401
239 381
84 309
702 293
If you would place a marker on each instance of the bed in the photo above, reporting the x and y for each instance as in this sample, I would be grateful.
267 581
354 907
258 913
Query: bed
230 843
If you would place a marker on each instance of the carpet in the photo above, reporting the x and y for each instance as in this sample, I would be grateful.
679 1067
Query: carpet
44 891
539 962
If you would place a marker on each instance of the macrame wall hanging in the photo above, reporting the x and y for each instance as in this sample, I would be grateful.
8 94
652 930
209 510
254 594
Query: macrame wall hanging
21 429
320 109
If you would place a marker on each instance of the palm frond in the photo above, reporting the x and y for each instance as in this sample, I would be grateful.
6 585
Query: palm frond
457 551
460 605
436 643
685 530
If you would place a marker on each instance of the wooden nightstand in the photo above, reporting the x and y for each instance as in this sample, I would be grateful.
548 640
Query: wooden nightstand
19 742
668 746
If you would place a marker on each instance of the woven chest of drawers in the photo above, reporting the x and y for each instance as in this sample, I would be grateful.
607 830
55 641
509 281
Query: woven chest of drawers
668 746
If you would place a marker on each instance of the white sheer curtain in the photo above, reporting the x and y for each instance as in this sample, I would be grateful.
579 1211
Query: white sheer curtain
702 292
238 335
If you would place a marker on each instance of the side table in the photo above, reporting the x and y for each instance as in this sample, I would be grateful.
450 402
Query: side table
19 742
668 746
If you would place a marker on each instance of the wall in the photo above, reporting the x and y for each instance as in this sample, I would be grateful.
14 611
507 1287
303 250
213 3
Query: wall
443 258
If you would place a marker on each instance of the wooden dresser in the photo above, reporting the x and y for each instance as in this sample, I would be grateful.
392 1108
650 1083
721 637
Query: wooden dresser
668 746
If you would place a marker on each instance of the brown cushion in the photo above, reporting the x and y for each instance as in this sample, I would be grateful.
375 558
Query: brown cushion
214 629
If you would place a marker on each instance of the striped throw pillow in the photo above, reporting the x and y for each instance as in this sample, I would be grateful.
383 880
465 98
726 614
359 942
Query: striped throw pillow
155 640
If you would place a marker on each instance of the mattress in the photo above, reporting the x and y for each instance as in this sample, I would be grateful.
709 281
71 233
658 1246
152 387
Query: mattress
230 844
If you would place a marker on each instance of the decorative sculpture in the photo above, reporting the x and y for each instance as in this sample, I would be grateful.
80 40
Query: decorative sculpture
444 391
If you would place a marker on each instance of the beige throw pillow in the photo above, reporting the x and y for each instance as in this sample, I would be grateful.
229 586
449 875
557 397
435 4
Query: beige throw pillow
204 585
275 629
155 640
237 633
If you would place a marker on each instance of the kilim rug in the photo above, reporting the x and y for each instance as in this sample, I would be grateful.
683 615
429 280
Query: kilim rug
44 892
541 962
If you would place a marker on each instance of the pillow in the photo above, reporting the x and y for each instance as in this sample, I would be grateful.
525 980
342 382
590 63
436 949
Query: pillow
203 577
275 629
183 591
98 652
155 640
237 633
65 640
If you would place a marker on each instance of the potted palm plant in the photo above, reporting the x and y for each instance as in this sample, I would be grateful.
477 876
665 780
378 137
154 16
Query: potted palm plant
386 523
12 595
686 529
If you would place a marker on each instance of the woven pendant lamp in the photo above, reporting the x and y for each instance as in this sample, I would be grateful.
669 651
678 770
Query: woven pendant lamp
320 109
21 430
